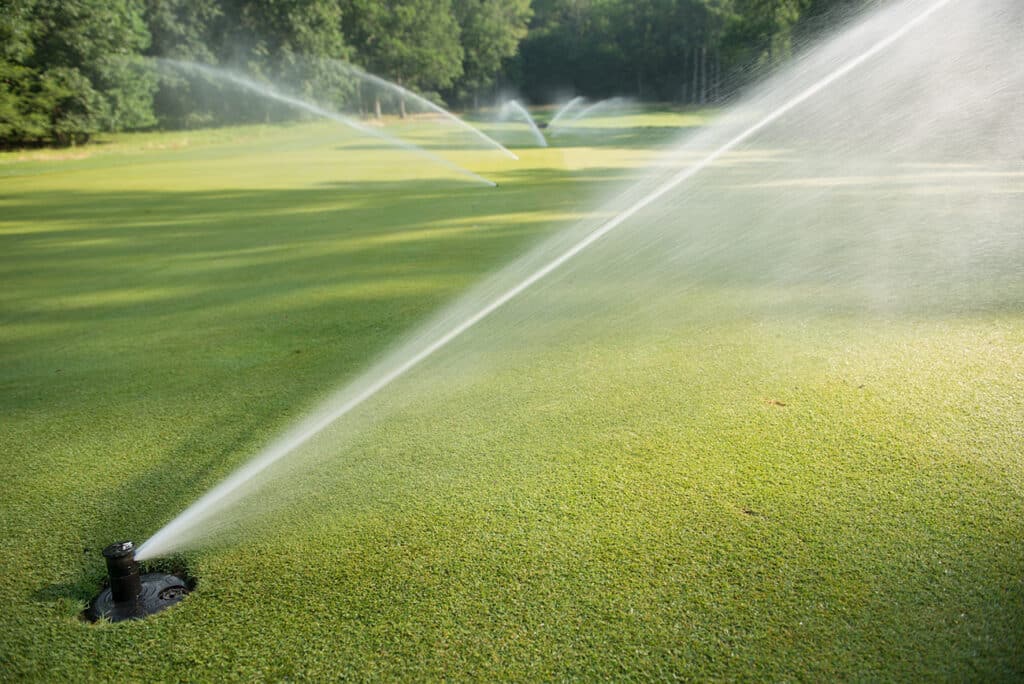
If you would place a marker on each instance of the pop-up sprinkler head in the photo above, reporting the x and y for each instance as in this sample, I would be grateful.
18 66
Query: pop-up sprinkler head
123 571
130 595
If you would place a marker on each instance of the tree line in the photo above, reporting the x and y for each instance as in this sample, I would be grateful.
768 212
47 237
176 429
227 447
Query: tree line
688 51
72 68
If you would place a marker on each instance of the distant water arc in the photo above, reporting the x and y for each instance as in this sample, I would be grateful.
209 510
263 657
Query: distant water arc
214 73
564 110
520 111
384 83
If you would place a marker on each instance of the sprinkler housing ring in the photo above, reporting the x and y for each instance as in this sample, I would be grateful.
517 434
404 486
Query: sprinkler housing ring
131 594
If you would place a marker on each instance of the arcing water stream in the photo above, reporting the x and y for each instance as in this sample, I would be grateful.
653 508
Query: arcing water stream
513 107
565 110
823 69
223 75
423 102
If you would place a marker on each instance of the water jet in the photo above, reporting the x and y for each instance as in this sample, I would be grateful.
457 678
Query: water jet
133 595
513 108
423 102
569 106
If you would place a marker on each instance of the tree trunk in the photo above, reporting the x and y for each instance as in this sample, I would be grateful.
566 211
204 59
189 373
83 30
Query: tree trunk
696 79
713 88
703 75
718 77
376 106
682 70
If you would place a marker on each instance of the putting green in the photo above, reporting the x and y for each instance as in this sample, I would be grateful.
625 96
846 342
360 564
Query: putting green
727 495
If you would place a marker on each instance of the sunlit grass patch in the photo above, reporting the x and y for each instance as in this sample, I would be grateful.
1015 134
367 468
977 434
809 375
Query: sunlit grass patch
760 481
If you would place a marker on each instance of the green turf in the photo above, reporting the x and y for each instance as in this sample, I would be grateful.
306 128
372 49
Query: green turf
762 500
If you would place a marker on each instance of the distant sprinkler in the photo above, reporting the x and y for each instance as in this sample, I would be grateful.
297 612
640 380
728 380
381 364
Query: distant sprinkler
131 595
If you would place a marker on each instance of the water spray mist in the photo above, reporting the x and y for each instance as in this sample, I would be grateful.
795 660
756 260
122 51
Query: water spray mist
183 530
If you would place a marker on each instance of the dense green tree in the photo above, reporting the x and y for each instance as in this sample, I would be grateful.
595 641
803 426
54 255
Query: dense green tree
670 46
570 48
491 31
69 68
185 30
415 43
280 37
760 34
655 49
97 44
287 42
21 116
820 16
72 68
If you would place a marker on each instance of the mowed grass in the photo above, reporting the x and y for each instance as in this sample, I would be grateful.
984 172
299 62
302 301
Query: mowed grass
742 497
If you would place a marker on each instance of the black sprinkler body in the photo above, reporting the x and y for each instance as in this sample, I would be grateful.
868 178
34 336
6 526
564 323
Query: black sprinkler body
132 595
123 571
